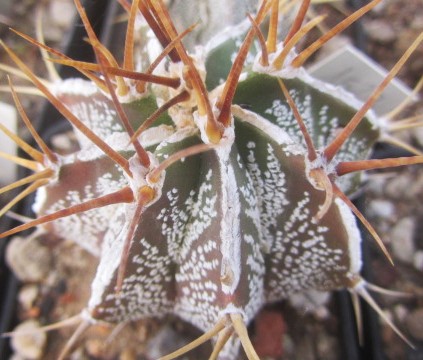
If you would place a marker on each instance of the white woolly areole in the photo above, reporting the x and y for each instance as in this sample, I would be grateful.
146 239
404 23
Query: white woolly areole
87 317
201 122
139 173
360 285
132 95
319 163
231 309
41 194
338 92
177 70
55 166
287 71
354 237
140 177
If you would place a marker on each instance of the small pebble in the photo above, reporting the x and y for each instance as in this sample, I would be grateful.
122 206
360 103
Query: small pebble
379 8
416 187
326 345
377 183
6 8
62 13
401 312
65 143
306 349
418 260
30 344
380 31
78 354
164 342
332 46
95 347
418 135
381 208
16 357
29 260
128 354
27 296
417 22
56 18
397 187
414 323
402 240
311 301
288 346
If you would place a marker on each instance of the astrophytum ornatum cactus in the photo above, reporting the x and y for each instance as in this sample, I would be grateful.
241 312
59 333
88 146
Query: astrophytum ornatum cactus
208 184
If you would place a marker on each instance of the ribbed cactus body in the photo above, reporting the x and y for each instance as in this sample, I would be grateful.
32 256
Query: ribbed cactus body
233 228
252 218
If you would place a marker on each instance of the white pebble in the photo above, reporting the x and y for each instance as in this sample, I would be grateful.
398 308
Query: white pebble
418 260
29 260
62 13
381 208
380 30
401 312
30 343
418 135
398 187
311 301
402 240
414 324
27 296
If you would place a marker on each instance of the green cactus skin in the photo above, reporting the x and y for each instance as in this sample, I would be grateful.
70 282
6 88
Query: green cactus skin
227 230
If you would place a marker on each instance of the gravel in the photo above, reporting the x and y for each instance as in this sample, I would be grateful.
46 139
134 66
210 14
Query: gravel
28 259
29 341
402 240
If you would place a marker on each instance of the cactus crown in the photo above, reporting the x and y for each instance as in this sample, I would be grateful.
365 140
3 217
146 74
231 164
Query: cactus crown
208 184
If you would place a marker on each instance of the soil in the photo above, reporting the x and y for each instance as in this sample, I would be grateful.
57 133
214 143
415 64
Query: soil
393 205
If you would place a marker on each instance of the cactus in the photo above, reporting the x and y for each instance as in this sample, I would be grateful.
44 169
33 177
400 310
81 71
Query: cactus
208 184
